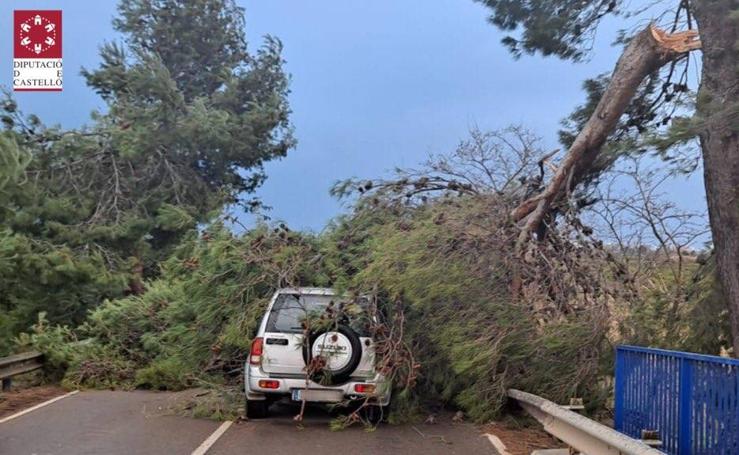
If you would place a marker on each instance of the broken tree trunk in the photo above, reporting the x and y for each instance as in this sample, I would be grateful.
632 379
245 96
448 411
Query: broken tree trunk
718 112
648 51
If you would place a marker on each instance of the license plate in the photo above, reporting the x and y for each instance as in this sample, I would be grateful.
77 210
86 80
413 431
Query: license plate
324 396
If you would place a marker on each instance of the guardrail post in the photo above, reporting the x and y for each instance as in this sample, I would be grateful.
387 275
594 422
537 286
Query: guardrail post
7 383
685 437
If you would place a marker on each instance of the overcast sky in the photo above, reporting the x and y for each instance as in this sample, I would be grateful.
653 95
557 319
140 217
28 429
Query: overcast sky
375 85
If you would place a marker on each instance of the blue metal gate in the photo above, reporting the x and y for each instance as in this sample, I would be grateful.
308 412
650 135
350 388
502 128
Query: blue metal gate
691 399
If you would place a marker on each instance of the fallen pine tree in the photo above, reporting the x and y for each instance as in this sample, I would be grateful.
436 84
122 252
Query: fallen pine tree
440 267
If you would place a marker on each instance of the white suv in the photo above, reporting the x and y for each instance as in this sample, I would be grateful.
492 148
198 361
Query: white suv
282 364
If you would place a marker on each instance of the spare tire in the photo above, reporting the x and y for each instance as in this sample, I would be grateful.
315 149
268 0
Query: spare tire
341 350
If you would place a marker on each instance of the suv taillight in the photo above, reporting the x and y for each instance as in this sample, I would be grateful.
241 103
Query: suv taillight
255 355
364 388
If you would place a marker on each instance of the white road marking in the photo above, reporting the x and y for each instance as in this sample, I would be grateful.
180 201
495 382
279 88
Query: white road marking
498 444
203 448
40 405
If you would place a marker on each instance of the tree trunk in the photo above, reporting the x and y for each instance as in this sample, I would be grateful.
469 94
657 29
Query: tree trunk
647 52
718 112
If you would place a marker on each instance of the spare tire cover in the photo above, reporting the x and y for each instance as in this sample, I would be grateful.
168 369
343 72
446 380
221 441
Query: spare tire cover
340 347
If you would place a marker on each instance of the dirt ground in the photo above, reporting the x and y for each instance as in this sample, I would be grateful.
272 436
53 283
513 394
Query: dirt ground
20 399
520 440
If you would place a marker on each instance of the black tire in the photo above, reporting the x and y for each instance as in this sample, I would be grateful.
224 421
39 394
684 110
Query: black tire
342 375
257 409
374 414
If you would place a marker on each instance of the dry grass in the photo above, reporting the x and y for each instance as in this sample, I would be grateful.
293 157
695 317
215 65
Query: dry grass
522 440
20 399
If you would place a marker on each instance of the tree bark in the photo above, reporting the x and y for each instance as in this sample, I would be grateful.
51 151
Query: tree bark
718 114
647 52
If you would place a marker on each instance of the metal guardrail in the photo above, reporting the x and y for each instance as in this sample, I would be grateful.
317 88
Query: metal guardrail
585 435
18 364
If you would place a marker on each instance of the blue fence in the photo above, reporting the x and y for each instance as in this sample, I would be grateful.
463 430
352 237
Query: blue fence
691 399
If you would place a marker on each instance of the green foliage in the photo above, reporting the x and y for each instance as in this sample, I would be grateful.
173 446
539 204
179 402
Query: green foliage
206 104
57 343
173 218
657 117
13 162
73 362
463 316
707 318
564 28
472 338
649 125
175 29
695 319
440 276
194 324
89 214
165 374
39 277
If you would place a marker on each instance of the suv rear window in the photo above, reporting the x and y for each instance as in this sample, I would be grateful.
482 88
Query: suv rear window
290 310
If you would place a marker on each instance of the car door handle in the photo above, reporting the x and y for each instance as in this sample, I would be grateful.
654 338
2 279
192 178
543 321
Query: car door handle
278 341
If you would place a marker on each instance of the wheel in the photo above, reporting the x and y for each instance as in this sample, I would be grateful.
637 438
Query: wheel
375 414
256 409
344 353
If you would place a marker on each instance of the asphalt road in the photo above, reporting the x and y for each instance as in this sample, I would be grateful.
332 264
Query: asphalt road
104 422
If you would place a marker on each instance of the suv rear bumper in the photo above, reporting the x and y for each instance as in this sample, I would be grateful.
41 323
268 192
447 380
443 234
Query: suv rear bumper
253 374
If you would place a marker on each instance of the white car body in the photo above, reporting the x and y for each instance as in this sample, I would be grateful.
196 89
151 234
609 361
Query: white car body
281 368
